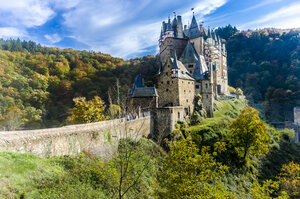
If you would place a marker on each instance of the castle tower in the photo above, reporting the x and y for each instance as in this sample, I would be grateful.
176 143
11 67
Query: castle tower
195 36
172 39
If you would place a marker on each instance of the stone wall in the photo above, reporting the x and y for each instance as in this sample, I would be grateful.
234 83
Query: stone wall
98 138
169 46
164 120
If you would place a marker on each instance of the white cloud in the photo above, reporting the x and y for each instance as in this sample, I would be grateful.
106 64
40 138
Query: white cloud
53 38
24 13
286 17
106 24
11 32
203 8
134 40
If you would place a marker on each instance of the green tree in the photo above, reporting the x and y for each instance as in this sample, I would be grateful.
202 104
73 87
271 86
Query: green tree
188 174
265 191
248 134
88 111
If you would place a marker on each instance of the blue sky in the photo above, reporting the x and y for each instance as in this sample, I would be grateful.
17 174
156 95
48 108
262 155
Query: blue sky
130 28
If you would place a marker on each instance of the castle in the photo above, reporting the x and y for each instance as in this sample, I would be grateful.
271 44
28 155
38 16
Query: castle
193 61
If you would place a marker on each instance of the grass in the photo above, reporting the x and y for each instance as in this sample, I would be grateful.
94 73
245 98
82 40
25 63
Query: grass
224 112
211 130
82 176
19 172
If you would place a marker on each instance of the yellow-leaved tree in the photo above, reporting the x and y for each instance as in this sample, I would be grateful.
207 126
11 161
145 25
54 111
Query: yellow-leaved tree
289 179
248 135
190 173
88 111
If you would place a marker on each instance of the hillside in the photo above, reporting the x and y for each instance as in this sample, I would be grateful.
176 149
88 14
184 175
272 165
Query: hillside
38 83
142 169
266 65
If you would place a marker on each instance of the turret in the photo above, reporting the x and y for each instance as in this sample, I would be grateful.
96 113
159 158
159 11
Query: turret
174 69
169 31
174 26
179 27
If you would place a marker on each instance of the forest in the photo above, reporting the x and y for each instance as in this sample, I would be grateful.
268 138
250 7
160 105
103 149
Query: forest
266 65
38 84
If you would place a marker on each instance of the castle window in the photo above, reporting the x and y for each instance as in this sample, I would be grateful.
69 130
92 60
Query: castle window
166 73
172 81
168 82
187 100
182 81
188 82
197 86
162 82
205 85
178 115
190 90
184 90
190 66
167 90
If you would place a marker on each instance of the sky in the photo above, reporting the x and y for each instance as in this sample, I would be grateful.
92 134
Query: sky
131 28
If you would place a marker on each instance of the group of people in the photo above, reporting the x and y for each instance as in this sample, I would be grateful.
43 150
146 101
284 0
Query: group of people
135 115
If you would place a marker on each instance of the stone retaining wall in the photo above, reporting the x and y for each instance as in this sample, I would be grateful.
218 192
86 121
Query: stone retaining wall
98 138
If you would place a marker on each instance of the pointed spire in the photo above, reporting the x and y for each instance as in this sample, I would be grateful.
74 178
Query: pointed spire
214 35
169 26
138 83
209 33
194 23
194 29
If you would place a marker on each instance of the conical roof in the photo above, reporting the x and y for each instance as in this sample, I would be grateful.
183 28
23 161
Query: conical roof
194 29
189 54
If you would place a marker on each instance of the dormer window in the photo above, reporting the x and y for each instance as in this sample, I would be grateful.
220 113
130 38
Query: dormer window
174 73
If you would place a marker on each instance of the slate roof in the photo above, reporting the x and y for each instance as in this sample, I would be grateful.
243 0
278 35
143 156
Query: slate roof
182 71
200 69
194 29
145 92
175 64
189 54
138 83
